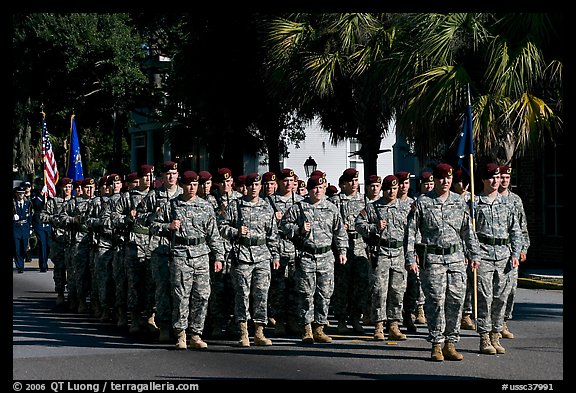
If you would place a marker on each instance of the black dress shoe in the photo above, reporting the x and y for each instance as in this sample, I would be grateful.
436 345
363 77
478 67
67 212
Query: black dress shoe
20 271
42 270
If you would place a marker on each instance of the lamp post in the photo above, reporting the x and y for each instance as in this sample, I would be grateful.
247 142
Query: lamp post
310 166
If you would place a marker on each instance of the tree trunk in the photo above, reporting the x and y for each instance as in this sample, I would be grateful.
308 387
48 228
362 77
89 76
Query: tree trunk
369 153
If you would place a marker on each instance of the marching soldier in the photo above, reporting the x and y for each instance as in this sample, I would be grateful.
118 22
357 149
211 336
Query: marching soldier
194 233
385 221
500 240
21 227
249 222
43 230
204 184
443 221
314 224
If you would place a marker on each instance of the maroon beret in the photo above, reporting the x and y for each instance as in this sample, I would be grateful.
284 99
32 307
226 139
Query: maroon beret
132 176
65 181
169 165
222 175
241 180
189 177
374 179
157 183
301 183
145 169
314 181
204 176
426 177
389 181
252 178
102 181
460 176
331 190
505 170
318 172
442 171
88 181
269 176
78 183
349 174
489 170
402 176
284 173
112 178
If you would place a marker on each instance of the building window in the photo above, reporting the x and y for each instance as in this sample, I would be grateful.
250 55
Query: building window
553 213
140 141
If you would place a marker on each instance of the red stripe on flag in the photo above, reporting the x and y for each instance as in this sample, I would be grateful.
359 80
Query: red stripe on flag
50 168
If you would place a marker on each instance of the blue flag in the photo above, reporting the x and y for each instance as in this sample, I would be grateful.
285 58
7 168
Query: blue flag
74 171
465 145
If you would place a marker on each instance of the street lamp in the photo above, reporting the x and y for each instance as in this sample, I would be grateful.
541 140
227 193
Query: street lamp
310 166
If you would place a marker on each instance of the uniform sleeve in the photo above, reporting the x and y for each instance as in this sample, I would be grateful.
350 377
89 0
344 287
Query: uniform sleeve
213 238
272 238
340 235
412 232
289 222
363 224
228 221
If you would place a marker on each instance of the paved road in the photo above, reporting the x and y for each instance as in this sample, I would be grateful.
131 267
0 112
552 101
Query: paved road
51 344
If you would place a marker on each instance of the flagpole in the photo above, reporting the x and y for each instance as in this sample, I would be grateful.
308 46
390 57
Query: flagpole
472 213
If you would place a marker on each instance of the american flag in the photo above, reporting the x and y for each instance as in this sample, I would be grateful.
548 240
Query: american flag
50 168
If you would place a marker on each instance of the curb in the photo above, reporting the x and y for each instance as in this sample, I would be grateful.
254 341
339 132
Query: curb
534 283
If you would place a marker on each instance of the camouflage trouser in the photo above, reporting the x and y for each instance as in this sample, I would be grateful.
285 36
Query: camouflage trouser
58 258
163 294
221 303
190 278
469 299
82 268
389 284
352 286
94 287
444 287
251 279
494 286
314 278
120 278
414 295
282 297
510 301
104 275
69 257
140 295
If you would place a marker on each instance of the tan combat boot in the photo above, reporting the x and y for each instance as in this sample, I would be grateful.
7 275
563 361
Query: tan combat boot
495 340
466 323
197 343
244 340
135 324
151 322
450 353
319 335
485 345
379 331
408 322
437 355
259 338
505 332
181 336
394 332
420 317
308 337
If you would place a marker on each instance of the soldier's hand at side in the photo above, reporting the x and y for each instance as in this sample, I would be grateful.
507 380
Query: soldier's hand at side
474 264
217 266
342 259
522 256
276 264
515 262
174 225
381 225
306 227
133 213
279 215
243 230
413 267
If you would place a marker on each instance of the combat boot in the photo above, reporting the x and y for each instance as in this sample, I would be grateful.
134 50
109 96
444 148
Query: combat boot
495 340
82 307
319 335
197 343
135 324
342 327
259 338
181 337
271 322
437 355
357 326
420 316
122 318
505 332
466 323
308 337
151 323
394 332
164 336
408 322
60 299
486 346
105 316
280 329
244 340
379 331
449 352
293 327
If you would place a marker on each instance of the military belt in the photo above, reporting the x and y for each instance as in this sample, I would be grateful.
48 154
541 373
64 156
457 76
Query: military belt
392 243
140 230
493 241
432 249
190 242
315 250
353 235
252 241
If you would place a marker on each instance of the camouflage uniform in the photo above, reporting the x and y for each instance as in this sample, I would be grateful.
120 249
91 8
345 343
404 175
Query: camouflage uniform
314 274
118 268
252 256
442 225
389 274
500 239
189 272
351 280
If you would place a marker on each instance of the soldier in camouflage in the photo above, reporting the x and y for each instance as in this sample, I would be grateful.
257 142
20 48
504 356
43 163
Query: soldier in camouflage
191 224
314 224
511 197
443 221
500 240
157 199
384 222
250 224
352 280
